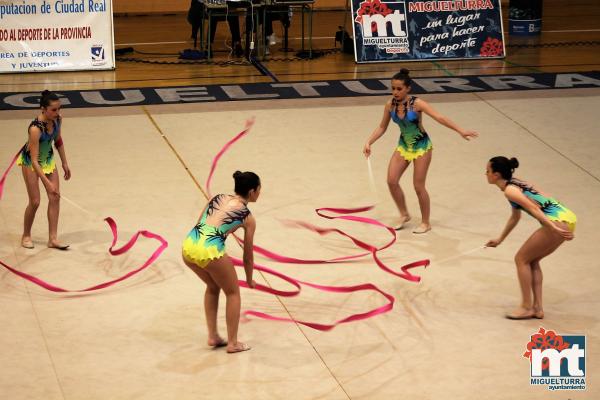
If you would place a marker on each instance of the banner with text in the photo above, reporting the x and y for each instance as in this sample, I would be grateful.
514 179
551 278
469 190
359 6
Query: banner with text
403 30
305 90
56 35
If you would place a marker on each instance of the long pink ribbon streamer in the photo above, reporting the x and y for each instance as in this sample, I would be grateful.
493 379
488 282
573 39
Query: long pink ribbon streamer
405 274
220 153
298 284
3 179
115 252
324 231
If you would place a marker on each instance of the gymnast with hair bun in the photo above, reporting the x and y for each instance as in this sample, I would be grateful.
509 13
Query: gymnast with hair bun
203 252
414 145
558 225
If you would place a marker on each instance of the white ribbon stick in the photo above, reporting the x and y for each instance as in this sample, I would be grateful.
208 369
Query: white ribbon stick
464 253
372 179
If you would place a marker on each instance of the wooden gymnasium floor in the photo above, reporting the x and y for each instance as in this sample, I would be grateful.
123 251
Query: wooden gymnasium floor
446 337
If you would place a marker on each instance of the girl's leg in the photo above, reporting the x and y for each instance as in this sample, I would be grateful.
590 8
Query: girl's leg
537 277
536 284
211 304
396 168
53 211
33 192
223 273
540 244
420 175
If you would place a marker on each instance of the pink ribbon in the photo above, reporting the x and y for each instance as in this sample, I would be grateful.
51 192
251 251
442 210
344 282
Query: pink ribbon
115 252
298 284
345 215
215 161
405 274
3 179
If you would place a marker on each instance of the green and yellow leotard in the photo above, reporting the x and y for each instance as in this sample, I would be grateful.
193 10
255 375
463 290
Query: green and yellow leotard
206 241
46 153
551 207
413 141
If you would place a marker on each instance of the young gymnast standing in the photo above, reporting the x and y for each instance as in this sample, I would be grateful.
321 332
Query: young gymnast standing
414 145
37 162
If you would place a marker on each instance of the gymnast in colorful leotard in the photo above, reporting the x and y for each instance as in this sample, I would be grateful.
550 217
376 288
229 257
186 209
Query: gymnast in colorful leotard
203 252
414 145
37 162
414 141
558 225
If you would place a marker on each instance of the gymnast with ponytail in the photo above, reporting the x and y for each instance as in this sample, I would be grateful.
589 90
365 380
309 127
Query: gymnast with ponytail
414 145
37 162
557 225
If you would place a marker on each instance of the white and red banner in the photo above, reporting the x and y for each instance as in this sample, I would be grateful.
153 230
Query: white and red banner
56 35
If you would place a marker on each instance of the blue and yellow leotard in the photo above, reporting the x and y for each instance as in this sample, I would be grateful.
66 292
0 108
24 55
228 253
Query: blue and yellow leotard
551 207
413 141
206 240
46 153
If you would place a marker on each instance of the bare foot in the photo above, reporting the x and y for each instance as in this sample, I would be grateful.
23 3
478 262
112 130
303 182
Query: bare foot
58 246
26 242
423 228
403 219
238 347
539 314
217 341
521 313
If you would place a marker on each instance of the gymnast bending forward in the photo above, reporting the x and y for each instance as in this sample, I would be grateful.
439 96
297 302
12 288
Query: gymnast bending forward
204 253
558 225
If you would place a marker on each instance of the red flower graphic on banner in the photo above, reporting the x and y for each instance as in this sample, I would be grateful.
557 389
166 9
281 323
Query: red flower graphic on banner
545 340
491 47
372 7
